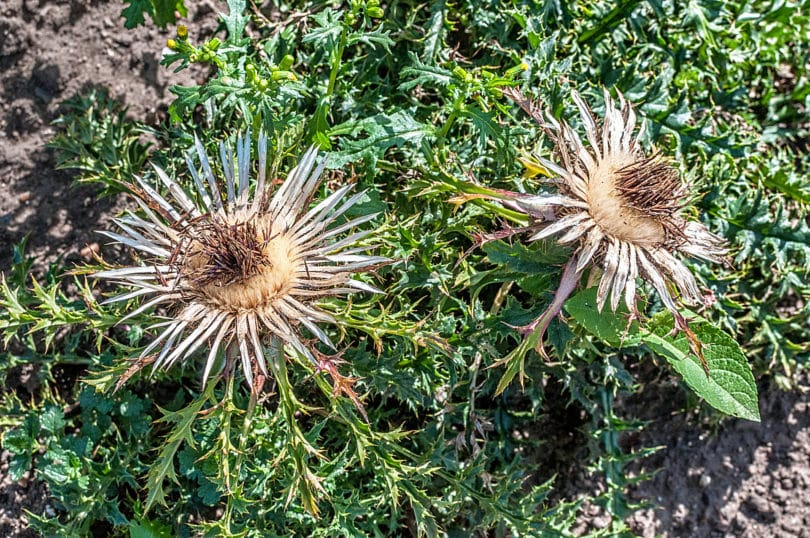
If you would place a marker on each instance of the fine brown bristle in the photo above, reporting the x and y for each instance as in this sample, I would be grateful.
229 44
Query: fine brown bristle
651 186
231 253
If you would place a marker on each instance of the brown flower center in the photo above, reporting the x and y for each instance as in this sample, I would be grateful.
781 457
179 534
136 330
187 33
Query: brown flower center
235 267
610 202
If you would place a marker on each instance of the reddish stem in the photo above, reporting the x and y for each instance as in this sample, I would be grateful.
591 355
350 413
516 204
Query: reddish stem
568 283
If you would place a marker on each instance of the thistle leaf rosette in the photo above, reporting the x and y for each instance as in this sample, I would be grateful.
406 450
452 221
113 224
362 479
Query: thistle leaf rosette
621 207
241 271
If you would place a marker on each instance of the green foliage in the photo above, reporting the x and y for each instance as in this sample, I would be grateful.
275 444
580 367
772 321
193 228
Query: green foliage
162 12
614 328
407 98
729 386
98 140
726 383
87 457
36 313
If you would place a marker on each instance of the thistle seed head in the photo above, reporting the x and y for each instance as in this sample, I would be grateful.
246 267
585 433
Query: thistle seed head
621 207
242 271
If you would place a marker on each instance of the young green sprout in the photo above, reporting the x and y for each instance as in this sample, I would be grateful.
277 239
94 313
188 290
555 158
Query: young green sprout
241 273
622 208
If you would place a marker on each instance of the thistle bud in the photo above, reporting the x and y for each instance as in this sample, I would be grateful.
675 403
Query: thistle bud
250 73
282 75
522 66
461 73
286 62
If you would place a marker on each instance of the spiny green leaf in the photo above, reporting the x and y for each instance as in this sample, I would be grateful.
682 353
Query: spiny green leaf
382 131
164 466
424 75
147 528
235 21
484 123
375 39
537 259
133 13
433 39
161 11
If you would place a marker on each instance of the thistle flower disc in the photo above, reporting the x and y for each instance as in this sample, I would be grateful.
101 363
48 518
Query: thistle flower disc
244 273
621 207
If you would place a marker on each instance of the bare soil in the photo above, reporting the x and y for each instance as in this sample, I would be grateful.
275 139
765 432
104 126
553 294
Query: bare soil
51 50
734 479
730 479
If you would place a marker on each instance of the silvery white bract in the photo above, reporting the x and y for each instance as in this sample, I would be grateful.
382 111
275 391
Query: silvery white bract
243 274
622 208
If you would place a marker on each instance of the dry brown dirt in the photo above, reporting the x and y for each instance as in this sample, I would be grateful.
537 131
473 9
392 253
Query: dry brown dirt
51 50
730 479
734 479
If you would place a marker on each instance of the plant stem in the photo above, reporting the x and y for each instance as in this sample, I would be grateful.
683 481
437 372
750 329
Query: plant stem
336 59
450 119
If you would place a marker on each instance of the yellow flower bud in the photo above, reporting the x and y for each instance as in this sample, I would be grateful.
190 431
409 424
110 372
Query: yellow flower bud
286 62
460 72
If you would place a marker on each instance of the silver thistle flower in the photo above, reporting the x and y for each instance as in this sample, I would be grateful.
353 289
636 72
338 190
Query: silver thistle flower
622 208
244 273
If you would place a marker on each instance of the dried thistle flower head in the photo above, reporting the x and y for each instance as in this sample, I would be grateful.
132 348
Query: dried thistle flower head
622 208
243 274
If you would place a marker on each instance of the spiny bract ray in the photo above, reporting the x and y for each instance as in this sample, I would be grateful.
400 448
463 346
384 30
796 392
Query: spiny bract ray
244 273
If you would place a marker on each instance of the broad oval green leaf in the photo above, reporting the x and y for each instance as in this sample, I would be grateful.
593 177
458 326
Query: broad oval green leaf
611 327
730 386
